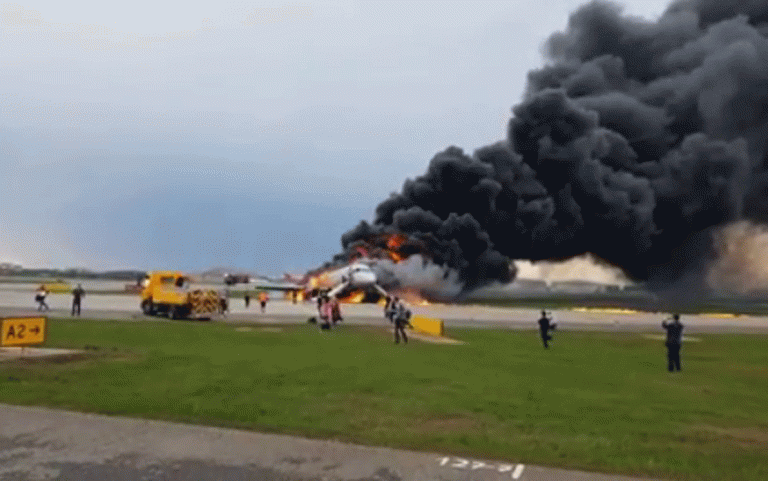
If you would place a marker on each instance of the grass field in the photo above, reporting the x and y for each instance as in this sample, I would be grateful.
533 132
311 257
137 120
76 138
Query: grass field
595 401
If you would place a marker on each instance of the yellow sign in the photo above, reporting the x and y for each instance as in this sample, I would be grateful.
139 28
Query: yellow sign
23 331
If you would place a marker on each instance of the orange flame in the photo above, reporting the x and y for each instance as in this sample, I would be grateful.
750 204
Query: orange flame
395 241
355 297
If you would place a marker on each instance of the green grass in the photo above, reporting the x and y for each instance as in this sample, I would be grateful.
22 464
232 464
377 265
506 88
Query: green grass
595 401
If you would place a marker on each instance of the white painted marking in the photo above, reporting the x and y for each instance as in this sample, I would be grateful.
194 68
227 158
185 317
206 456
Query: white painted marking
505 468
460 463
478 465
444 461
518 471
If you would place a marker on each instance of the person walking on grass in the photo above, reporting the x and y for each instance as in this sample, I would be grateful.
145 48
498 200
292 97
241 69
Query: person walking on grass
401 319
77 297
546 325
674 342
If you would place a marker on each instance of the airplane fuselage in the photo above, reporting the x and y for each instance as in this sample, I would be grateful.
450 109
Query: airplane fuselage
357 275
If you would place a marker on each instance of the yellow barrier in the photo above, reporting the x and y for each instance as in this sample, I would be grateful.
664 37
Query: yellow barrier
428 325
605 310
58 287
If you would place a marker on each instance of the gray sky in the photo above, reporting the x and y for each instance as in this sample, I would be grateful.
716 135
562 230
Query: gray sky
206 133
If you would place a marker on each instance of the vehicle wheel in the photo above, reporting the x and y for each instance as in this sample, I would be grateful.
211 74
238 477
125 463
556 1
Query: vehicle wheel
147 308
173 312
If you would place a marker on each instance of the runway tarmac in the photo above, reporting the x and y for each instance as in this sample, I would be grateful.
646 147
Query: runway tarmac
15 301
44 444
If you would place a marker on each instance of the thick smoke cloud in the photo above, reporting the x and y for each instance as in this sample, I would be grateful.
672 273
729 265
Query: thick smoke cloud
636 142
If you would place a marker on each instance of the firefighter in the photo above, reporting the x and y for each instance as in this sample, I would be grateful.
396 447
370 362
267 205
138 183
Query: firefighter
674 342
546 325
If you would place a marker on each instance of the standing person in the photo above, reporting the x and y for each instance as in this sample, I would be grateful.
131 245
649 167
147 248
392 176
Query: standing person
77 296
546 325
401 319
223 302
263 298
392 311
674 342
335 310
387 303
327 311
247 299
40 296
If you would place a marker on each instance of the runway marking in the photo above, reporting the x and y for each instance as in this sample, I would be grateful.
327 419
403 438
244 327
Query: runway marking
515 470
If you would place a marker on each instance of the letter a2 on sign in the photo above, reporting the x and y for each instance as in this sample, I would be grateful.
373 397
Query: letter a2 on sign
23 331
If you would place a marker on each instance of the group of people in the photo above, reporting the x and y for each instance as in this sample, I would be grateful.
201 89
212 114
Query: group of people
329 310
41 294
673 342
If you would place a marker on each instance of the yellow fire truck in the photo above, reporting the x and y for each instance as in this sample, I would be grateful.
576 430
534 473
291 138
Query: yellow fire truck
167 293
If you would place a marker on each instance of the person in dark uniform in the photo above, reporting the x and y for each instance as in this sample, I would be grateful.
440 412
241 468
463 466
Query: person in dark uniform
247 299
546 325
77 296
401 319
674 342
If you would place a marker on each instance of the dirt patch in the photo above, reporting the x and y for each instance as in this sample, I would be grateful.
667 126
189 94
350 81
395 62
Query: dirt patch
739 436
32 354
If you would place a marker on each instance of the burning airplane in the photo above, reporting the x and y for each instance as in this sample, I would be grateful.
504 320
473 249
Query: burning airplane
354 283
638 142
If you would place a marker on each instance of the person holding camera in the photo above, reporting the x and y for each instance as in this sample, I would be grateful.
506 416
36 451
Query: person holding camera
674 342
546 325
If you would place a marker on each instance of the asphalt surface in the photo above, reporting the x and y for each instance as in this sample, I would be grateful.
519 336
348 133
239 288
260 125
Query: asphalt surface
18 301
42 444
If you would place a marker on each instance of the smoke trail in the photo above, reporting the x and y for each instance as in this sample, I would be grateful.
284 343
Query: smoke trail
633 143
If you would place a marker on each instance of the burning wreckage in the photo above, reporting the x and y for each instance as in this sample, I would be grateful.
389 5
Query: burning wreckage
640 142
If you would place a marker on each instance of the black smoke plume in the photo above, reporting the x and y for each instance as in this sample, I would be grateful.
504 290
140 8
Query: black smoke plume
635 142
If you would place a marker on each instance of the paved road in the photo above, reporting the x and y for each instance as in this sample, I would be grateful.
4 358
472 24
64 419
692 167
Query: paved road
42 444
125 307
